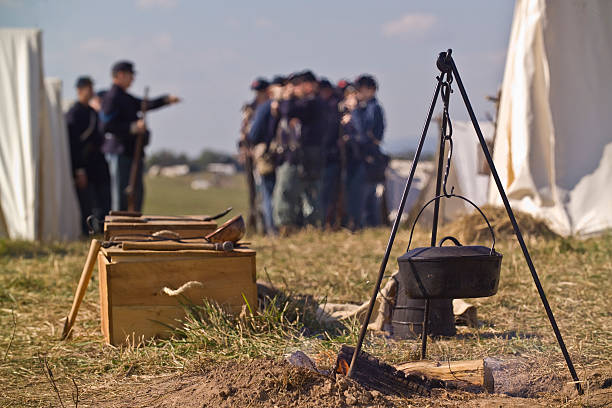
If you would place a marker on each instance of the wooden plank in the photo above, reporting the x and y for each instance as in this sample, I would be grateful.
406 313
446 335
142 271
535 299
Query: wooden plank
119 255
470 371
222 279
184 231
104 296
143 322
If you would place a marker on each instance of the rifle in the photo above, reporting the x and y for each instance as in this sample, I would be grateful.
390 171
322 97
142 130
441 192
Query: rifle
130 190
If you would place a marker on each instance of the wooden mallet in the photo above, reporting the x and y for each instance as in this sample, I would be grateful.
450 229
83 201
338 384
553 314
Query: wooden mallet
80 292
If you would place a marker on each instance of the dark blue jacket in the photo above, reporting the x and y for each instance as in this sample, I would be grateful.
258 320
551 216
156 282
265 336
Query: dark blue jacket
263 127
356 147
85 142
373 120
311 113
120 110
331 130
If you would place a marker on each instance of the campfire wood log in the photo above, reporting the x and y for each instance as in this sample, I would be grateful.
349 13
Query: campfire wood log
467 375
374 374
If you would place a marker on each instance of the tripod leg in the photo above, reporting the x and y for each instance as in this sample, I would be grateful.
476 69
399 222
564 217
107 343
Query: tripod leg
398 217
517 231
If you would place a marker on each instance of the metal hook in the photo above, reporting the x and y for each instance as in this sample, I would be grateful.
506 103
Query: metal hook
447 126
447 170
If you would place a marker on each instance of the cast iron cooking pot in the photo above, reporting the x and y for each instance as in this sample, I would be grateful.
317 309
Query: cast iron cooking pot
450 272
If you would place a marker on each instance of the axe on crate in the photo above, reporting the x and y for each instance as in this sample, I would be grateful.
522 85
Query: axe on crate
226 246
82 287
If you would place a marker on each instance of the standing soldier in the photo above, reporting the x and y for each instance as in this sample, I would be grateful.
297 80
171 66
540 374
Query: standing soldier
256 218
245 157
296 194
89 168
262 137
331 178
354 145
373 126
260 87
120 118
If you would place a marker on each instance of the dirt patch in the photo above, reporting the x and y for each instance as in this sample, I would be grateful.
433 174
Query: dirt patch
267 383
260 383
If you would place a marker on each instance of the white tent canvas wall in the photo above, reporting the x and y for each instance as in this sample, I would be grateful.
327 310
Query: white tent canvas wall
553 146
464 177
37 198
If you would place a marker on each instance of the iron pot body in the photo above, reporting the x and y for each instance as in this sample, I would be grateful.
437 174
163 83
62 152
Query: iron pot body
450 272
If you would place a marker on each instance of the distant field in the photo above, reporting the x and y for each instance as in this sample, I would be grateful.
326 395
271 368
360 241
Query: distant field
174 196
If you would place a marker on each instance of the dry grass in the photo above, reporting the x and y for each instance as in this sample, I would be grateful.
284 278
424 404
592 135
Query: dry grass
37 283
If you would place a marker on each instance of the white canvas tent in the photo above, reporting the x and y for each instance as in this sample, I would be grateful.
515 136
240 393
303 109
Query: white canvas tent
37 198
553 147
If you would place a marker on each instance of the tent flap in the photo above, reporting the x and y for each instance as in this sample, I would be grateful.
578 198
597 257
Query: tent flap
37 199
554 130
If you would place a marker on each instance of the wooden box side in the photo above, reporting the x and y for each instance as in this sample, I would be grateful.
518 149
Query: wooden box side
141 308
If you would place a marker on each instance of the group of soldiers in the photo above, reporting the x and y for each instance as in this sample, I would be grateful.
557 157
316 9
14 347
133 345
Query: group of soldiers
107 133
312 152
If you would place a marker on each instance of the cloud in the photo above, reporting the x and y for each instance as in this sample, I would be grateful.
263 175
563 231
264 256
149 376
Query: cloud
162 41
414 23
262 22
156 3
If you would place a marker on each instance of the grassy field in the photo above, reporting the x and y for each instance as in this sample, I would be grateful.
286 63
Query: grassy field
37 282
172 196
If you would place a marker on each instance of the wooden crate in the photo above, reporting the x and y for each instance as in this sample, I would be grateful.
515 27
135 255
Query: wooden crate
132 301
185 227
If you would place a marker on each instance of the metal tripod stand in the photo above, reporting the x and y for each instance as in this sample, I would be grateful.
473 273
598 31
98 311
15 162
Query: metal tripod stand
448 70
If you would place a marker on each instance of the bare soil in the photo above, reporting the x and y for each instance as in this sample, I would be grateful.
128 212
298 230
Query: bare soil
267 383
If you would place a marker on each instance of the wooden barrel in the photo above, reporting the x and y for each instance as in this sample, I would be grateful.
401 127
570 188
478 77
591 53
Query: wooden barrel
407 318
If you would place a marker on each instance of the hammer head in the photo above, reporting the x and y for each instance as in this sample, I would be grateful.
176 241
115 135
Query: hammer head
226 246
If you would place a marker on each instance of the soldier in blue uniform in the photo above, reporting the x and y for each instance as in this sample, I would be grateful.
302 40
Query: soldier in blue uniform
121 121
373 126
296 194
262 137
331 177
355 145
89 168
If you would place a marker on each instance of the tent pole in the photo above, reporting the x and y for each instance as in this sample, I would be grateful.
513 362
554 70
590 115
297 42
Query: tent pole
517 231
398 217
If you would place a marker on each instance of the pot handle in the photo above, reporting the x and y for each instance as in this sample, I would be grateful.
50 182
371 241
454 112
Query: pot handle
455 241
448 196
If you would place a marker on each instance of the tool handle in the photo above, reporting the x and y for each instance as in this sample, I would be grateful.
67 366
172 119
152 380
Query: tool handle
82 287
175 246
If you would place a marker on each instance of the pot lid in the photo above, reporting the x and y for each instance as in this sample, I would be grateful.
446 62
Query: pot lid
447 252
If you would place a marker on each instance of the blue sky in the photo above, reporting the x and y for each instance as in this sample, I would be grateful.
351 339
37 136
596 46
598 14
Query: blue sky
209 52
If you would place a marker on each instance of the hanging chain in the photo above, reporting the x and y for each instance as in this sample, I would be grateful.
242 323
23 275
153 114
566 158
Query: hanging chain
447 127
